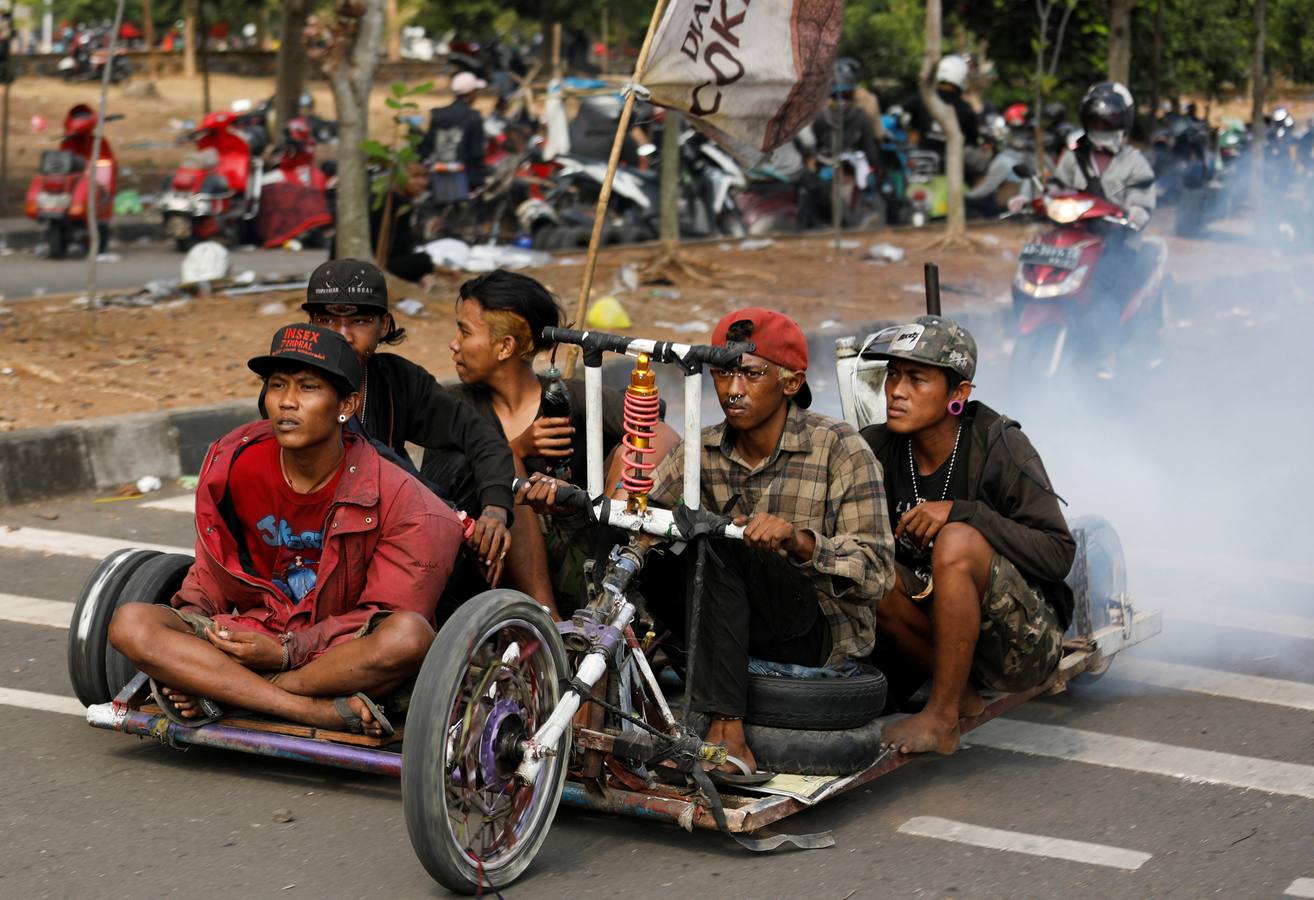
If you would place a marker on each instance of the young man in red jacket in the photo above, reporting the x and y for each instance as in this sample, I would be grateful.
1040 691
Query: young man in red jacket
318 564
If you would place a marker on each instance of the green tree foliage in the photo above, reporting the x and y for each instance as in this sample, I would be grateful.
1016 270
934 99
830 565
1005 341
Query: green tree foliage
1290 46
1206 46
885 36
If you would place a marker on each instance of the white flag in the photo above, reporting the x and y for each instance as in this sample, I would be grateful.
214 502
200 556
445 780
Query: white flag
751 73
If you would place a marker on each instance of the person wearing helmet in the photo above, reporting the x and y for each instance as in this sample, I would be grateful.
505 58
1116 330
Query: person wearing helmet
951 82
1103 162
456 132
856 138
990 196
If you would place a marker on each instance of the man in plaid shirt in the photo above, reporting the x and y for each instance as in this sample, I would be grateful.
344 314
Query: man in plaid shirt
817 553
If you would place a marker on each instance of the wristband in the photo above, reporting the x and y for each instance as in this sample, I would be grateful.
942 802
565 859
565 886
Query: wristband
287 654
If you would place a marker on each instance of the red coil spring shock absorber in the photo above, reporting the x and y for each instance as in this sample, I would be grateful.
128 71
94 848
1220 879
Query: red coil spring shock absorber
642 405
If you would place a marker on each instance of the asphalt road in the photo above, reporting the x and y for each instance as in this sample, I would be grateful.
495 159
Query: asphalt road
132 265
1189 764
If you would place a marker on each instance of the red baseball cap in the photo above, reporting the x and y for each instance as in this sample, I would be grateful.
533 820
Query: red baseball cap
778 338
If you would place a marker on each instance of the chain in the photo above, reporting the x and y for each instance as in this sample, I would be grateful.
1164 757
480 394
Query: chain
949 476
364 391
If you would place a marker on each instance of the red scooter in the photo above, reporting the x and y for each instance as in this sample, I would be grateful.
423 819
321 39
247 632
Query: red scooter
1060 276
217 187
293 192
59 194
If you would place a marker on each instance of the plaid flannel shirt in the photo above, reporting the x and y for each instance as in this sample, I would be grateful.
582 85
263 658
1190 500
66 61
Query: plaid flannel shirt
824 478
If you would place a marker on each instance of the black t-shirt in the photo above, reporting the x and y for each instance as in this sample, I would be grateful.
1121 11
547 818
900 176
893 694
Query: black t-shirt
613 423
929 488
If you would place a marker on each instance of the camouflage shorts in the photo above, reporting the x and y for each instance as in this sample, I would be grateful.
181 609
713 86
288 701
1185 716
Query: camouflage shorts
1020 642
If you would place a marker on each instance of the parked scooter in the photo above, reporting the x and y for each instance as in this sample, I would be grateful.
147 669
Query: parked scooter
1059 280
293 192
217 187
59 194
87 54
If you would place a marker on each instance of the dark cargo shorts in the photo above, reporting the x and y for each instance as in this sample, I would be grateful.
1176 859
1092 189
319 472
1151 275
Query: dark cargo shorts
1020 642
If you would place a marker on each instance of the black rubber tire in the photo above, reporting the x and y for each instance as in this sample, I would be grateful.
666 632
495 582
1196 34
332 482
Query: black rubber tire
802 752
56 240
155 581
823 704
88 631
425 750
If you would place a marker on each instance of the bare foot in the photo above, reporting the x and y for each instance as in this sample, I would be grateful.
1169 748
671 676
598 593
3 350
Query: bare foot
928 730
730 734
970 703
187 707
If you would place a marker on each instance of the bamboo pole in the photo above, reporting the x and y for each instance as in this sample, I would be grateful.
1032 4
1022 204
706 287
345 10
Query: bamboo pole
604 196
93 165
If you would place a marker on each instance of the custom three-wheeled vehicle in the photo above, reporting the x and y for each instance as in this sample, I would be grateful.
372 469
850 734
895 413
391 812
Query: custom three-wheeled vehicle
513 713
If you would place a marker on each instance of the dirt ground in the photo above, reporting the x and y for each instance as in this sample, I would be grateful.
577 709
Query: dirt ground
60 361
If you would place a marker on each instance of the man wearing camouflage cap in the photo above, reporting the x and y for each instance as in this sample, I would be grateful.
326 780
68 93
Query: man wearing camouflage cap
981 548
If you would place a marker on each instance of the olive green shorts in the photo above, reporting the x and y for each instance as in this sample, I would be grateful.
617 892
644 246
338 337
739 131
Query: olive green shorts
1020 642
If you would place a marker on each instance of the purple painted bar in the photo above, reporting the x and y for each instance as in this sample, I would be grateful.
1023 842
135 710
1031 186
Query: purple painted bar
370 760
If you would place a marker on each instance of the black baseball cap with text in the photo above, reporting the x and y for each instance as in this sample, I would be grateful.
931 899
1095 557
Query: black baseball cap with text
310 346
345 286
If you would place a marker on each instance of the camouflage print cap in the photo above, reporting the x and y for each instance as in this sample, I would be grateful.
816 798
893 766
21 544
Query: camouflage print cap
932 340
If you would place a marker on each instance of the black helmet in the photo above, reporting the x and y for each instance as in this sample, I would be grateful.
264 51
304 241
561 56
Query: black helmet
845 75
1107 106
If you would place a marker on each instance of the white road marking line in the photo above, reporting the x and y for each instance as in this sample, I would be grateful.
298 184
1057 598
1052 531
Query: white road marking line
185 503
44 702
1216 683
1021 842
35 611
1301 887
64 543
1283 624
1186 763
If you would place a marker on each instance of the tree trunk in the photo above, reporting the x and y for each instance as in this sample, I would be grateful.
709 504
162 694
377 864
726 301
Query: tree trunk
1120 40
942 113
394 31
351 74
1256 151
1156 65
189 37
670 181
148 24
290 72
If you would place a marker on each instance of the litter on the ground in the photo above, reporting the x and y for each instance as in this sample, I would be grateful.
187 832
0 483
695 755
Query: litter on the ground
756 244
606 313
148 483
273 308
207 261
108 257
885 253
410 306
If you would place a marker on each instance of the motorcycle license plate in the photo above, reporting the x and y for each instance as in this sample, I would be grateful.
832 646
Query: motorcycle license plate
1037 254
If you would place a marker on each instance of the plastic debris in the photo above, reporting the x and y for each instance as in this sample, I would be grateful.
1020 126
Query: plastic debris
448 252
410 306
293 246
107 257
756 244
148 483
694 327
207 261
607 314
128 203
273 308
628 276
189 482
885 253
247 277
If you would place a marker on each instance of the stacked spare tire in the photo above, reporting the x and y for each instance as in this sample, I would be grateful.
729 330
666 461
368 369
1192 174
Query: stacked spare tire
816 726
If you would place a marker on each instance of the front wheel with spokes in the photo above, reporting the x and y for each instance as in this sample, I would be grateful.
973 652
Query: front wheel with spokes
489 681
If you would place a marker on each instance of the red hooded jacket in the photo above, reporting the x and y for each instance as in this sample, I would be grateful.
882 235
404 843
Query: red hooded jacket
389 545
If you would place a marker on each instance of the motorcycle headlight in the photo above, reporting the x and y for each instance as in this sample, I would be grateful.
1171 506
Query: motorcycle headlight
1066 209
1068 285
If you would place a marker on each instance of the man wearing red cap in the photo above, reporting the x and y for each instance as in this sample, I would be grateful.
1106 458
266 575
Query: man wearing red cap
817 550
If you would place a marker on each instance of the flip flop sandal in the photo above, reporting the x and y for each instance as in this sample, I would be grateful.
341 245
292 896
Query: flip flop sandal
210 711
355 724
748 778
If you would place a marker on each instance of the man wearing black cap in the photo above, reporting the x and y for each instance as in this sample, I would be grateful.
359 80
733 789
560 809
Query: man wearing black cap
318 564
981 548
401 402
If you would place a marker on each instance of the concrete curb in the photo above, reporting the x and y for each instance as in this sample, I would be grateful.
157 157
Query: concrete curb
127 231
95 454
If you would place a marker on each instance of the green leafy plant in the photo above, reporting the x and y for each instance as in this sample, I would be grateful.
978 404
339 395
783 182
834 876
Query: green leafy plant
393 158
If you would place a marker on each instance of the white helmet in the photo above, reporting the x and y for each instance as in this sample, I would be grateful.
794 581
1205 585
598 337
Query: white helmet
952 70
